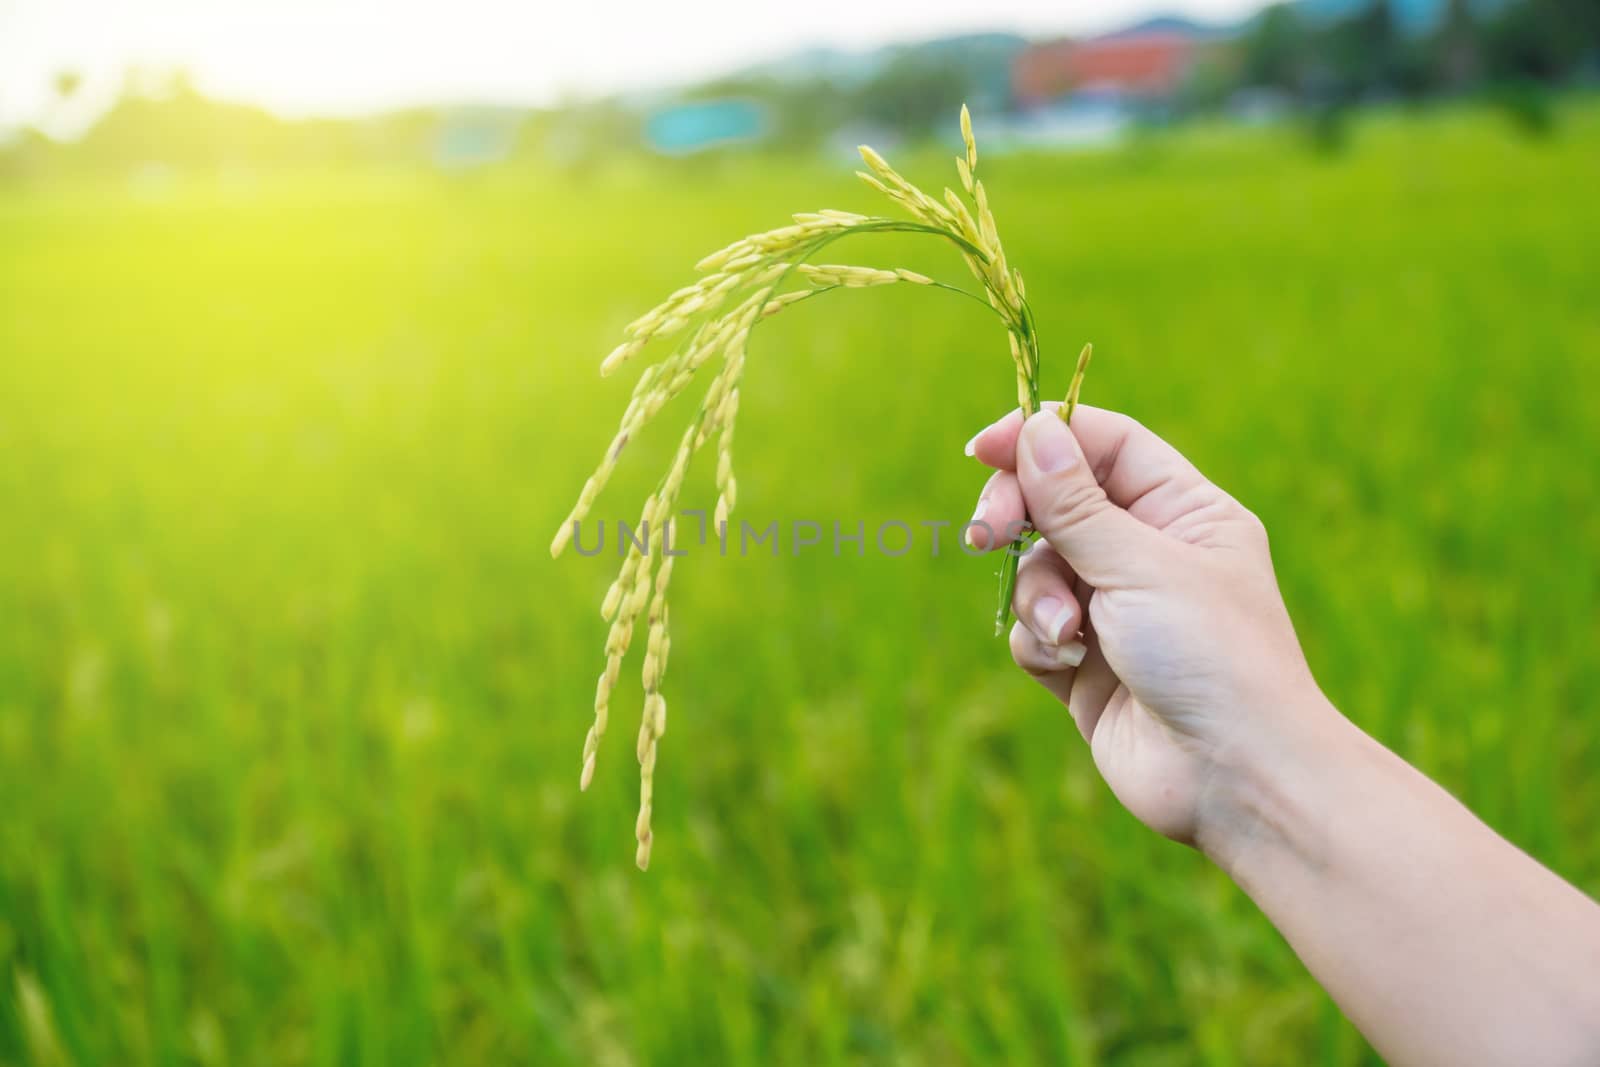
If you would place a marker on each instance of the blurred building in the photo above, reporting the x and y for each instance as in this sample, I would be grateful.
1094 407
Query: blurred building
1084 119
1411 16
1134 67
682 129
475 137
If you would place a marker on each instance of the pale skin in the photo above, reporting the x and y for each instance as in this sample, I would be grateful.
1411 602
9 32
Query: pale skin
1151 610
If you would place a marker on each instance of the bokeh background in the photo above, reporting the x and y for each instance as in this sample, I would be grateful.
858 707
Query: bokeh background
298 374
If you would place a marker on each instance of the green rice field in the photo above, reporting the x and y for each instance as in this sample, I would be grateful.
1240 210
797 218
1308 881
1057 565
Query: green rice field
292 694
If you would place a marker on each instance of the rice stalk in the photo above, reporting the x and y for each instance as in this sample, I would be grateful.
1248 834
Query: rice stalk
742 285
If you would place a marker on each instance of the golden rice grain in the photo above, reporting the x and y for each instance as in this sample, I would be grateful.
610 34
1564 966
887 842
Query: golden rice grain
749 274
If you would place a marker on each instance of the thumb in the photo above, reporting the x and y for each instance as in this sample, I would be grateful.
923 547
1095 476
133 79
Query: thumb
1105 545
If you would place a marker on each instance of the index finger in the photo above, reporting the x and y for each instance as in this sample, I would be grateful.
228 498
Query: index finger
1138 470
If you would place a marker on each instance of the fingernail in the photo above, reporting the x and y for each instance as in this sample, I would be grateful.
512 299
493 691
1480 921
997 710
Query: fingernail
977 516
971 447
1071 654
1050 616
1051 445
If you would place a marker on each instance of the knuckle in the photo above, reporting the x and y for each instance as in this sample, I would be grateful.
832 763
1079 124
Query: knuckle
1033 557
1022 597
1038 574
1254 526
1075 503
1026 654
1126 424
1021 646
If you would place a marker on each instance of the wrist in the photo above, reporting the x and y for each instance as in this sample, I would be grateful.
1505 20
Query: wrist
1273 789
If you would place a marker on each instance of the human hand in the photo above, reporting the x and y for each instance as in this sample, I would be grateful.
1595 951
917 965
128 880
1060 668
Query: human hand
1188 667
1441 941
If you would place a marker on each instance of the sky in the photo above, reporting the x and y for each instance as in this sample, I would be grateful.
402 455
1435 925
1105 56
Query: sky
341 57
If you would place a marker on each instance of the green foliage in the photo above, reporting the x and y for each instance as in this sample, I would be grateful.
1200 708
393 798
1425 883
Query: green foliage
1328 128
1366 55
1276 49
1528 105
1542 39
290 687
914 93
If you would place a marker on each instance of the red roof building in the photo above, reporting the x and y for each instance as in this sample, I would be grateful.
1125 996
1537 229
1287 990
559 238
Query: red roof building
1152 64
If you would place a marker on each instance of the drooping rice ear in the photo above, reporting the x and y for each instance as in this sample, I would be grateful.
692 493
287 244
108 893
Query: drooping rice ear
756 266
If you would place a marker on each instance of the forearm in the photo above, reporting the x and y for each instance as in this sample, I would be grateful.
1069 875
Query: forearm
1443 943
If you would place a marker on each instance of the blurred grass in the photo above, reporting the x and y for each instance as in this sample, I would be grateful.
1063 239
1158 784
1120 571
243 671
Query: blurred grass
291 695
